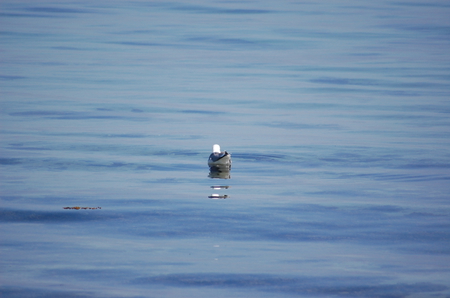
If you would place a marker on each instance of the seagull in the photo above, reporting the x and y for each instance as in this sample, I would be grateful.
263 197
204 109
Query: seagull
219 160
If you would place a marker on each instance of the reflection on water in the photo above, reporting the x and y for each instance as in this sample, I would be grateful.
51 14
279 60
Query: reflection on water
219 172
217 196
220 186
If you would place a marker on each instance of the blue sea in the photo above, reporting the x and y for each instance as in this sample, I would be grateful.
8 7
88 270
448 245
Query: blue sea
336 115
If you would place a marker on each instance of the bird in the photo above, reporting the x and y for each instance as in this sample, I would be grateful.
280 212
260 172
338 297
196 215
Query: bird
219 160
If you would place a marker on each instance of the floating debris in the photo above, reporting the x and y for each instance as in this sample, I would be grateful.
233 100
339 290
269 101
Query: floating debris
84 208
217 196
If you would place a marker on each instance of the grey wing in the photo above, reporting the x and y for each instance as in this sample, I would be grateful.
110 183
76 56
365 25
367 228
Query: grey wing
217 156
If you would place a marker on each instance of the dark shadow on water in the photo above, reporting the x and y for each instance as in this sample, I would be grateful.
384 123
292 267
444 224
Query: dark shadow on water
31 216
25 292
353 286
97 165
347 286
202 112
10 78
388 226
56 10
216 10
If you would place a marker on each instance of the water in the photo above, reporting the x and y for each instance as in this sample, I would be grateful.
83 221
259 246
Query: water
336 115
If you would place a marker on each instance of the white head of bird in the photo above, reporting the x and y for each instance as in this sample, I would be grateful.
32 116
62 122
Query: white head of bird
216 148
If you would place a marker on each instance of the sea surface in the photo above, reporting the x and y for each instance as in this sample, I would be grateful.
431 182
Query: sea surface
336 115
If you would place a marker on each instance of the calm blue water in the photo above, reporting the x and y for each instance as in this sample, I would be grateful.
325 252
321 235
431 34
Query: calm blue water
336 114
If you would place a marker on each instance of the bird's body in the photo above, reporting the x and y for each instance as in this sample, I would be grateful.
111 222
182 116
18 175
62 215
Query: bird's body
219 159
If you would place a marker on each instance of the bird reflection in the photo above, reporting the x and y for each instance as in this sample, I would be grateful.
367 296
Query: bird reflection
220 186
217 196
219 172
